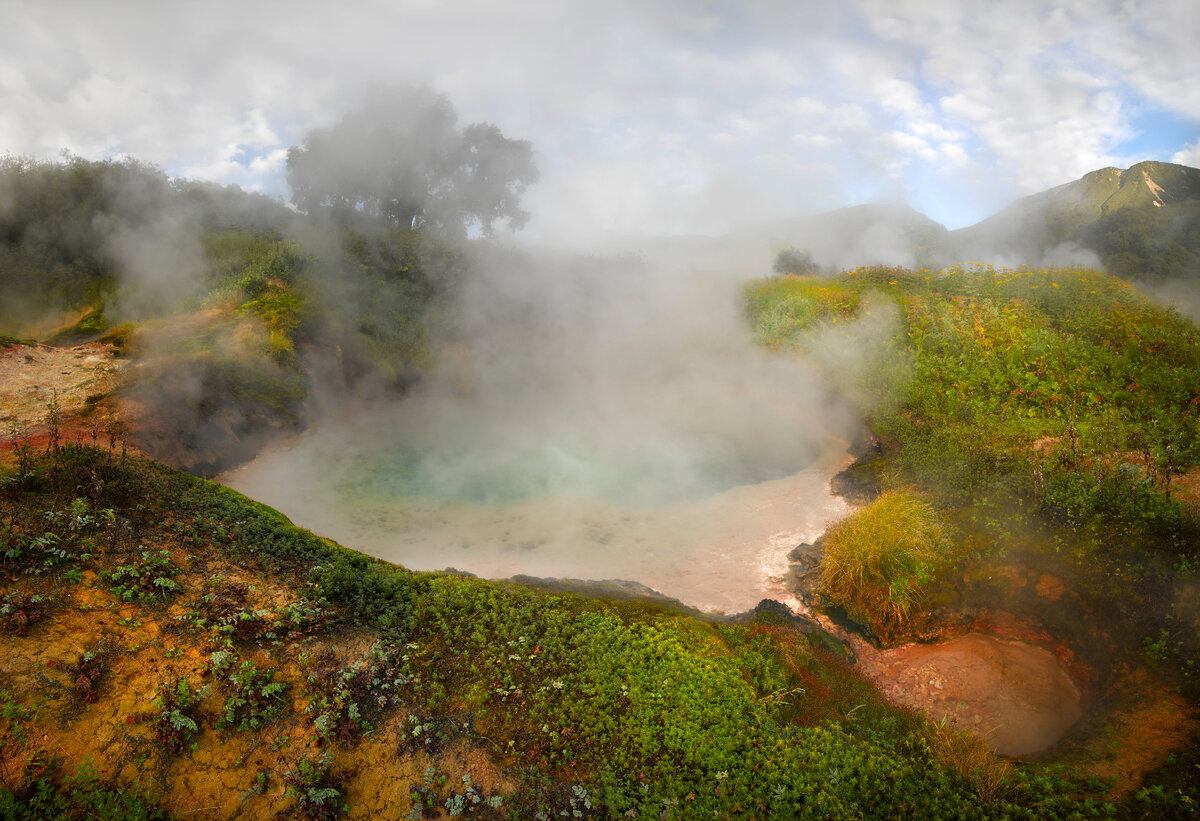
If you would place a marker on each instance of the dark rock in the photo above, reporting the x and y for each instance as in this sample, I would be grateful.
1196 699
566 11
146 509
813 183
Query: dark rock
612 590
805 571
769 611
860 483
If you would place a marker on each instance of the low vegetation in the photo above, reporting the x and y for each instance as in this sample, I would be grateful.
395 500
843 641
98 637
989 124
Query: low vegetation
1062 387
1050 418
473 697
880 559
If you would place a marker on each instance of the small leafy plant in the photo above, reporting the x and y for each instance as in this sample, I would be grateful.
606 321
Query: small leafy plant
346 697
317 788
179 711
87 673
149 579
20 609
254 697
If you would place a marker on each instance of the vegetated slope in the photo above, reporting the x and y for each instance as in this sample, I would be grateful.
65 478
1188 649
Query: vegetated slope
1142 222
79 236
226 302
996 377
1053 416
191 650
1055 406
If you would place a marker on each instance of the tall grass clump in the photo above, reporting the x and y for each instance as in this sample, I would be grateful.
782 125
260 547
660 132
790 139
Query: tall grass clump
880 560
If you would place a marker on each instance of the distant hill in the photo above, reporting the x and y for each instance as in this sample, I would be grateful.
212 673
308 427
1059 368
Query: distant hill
1140 223
863 235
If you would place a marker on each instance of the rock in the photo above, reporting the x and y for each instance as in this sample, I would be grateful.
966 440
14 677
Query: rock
769 611
859 483
611 589
805 571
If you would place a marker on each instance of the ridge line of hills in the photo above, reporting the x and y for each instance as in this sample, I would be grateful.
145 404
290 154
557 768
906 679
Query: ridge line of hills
1141 224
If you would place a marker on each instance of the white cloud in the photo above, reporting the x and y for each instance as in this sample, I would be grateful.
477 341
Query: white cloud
1188 156
645 115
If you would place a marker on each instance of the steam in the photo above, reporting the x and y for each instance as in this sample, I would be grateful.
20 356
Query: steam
602 379
1182 295
587 417
159 260
118 233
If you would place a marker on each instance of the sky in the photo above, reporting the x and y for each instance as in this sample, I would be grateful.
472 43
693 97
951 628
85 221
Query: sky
646 116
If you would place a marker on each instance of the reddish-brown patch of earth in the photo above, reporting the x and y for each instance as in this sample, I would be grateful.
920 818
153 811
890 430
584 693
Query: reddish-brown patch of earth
34 376
1013 695
1139 736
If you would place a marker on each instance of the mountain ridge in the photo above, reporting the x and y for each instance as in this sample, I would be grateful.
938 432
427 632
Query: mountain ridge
1141 223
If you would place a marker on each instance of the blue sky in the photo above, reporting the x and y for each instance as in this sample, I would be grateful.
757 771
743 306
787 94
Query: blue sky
647 117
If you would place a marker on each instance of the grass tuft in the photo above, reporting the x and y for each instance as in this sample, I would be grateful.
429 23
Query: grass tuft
879 561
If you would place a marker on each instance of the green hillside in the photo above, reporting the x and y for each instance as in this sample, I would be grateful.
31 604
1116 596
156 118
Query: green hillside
1142 222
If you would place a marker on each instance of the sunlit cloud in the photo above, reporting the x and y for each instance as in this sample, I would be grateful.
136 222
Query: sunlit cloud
647 117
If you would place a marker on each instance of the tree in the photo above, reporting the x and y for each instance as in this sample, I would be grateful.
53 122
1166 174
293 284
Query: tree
401 157
795 261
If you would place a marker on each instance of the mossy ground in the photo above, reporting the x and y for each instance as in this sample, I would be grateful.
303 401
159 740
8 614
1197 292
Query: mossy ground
421 694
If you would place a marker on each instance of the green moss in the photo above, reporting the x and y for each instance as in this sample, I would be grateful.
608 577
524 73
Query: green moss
89 326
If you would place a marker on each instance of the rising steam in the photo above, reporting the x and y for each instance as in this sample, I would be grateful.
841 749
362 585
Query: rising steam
589 418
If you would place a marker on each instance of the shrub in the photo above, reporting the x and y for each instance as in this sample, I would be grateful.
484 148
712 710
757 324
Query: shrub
148 579
879 561
179 707
317 788
254 697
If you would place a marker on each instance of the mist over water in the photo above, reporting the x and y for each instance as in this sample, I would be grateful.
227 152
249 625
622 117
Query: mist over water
586 419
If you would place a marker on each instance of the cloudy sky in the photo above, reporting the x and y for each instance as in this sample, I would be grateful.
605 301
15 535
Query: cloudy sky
647 116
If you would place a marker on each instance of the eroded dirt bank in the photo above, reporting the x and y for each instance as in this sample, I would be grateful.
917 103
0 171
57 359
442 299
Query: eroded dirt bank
32 377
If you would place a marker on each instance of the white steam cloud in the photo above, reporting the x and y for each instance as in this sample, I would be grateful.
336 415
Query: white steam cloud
585 418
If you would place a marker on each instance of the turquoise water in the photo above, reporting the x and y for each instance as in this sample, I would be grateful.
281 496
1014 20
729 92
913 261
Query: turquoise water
386 455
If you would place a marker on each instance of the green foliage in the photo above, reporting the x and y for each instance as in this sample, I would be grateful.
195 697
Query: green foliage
146 580
44 794
385 282
317 788
879 560
1059 386
267 272
15 716
783 307
58 220
179 709
253 696
252 261
343 699
605 709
